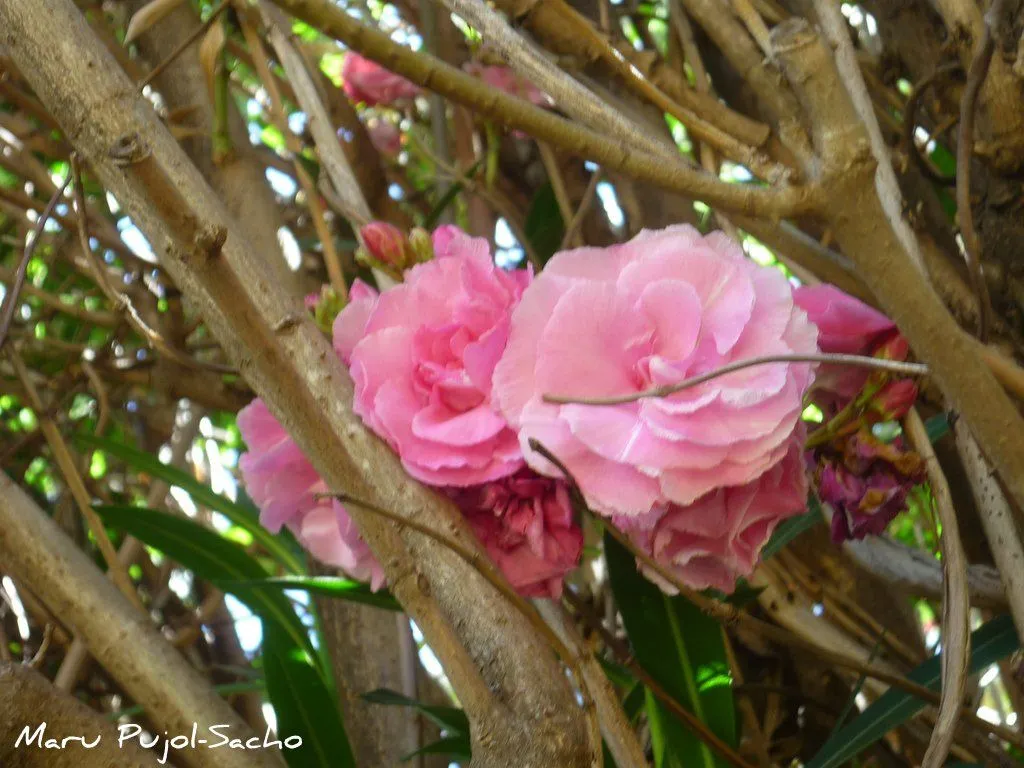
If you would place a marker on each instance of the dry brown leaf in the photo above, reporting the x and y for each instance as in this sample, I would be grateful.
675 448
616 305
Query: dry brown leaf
147 16
209 53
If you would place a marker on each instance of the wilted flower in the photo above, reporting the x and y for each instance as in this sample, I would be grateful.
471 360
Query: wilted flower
663 307
525 523
287 489
367 81
422 355
867 484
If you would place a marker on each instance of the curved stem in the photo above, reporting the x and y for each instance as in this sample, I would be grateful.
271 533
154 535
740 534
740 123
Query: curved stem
892 366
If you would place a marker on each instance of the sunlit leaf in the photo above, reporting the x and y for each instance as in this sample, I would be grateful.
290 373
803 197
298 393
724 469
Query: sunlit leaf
304 705
202 495
682 648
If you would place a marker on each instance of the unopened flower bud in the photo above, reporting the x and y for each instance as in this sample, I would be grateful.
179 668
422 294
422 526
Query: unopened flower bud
422 245
893 348
893 400
385 243
325 306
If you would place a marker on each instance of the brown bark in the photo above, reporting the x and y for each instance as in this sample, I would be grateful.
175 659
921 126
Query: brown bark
862 228
365 655
38 554
521 708
27 700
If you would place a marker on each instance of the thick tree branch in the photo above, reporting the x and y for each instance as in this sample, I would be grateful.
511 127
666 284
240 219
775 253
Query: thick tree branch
502 670
859 221
28 699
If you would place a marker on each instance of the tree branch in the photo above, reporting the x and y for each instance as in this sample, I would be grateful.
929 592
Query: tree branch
28 699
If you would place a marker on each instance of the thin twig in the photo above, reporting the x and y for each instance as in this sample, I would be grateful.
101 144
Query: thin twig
964 152
37 659
14 291
278 116
191 38
64 460
585 202
892 366
615 728
910 124
153 338
474 559
956 606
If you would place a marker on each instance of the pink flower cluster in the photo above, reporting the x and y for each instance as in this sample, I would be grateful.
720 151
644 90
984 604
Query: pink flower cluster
453 365
368 82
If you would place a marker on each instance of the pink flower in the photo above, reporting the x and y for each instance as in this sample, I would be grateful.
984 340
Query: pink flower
385 136
663 307
367 81
422 355
525 524
285 487
719 537
504 79
845 326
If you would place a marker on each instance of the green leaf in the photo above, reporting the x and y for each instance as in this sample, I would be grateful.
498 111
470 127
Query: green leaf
203 496
682 649
544 227
212 557
304 705
450 719
991 642
937 427
789 529
330 586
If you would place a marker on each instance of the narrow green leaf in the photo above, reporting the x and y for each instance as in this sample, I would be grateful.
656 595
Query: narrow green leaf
682 649
212 557
304 705
544 227
789 529
203 496
937 427
329 586
989 643
451 719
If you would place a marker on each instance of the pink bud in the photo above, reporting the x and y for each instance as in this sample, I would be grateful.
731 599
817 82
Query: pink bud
893 400
386 244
